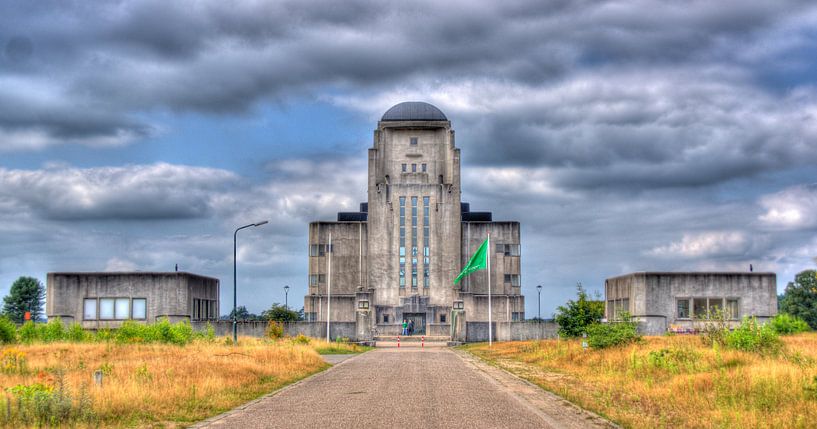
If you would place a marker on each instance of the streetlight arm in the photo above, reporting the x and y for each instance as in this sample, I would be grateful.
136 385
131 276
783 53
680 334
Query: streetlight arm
235 282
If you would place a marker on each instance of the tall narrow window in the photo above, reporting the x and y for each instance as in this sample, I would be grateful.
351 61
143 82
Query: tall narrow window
732 311
414 241
413 141
426 240
413 168
404 168
403 241
683 308
425 168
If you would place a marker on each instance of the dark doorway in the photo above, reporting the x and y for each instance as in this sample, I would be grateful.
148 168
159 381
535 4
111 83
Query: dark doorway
419 322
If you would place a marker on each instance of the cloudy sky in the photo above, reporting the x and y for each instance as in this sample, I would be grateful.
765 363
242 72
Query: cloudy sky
625 136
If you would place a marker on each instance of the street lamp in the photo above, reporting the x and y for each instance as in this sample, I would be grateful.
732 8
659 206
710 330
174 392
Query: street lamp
235 283
286 297
539 312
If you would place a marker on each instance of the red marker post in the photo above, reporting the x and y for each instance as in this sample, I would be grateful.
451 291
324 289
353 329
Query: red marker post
424 342
398 341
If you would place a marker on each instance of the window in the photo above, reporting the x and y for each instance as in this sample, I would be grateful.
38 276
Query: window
122 309
320 249
314 279
442 318
715 306
89 309
404 168
683 308
413 168
516 316
732 309
106 308
513 279
385 318
425 168
508 249
699 306
413 141
139 308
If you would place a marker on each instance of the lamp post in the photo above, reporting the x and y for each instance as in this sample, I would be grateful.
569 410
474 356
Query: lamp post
286 297
539 311
235 282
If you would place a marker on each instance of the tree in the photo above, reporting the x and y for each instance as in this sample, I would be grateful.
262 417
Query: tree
800 297
280 313
242 314
575 316
26 294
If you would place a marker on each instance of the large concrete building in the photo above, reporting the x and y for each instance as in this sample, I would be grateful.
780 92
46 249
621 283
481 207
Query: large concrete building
106 299
663 302
397 257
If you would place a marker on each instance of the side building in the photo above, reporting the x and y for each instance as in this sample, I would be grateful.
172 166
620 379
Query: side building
106 299
662 301
398 256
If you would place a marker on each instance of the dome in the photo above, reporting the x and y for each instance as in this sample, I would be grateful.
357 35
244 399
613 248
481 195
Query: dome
414 111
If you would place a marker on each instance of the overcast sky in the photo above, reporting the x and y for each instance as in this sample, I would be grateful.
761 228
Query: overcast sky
624 136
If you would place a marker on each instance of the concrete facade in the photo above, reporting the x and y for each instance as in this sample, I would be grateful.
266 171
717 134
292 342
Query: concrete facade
398 256
98 300
664 302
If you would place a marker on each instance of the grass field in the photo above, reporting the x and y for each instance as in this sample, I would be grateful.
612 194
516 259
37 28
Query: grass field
673 381
147 385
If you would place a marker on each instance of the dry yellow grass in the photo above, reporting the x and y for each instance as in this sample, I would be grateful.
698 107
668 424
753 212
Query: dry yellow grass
165 385
687 385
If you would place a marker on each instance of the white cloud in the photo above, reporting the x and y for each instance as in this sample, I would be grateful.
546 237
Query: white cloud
706 245
793 208
116 264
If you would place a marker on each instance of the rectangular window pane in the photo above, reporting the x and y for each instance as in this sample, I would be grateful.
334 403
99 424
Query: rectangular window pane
413 141
500 248
402 202
514 249
139 308
699 305
89 312
715 306
404 168
732 309
413 168
515 280
106 308
507 278
424 168
683 309
122 309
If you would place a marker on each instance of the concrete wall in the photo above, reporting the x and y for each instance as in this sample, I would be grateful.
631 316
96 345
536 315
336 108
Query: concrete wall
258 329
168 295
510 331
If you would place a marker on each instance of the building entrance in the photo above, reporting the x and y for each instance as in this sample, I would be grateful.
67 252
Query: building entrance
419 322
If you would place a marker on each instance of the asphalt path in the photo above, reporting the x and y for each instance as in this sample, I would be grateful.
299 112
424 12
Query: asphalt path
408 388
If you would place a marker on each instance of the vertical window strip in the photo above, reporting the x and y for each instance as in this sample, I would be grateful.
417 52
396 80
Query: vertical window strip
402 253
426 251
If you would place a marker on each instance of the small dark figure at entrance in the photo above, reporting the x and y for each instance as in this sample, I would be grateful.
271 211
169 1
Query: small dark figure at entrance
411 327
405 327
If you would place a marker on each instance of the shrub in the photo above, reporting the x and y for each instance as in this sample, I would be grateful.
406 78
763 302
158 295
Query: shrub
574 317
181 333
674 359
274 330
603 335
52 331
785 324
77 334
300 339
8 331
28 332
13 362
750 336
714 327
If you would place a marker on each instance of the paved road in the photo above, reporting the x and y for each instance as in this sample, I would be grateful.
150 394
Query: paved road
408 388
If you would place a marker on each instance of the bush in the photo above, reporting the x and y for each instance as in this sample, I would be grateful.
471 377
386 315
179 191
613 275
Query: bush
574 317
28 332
750 336
785 324
300 339
8 331
274 330
603 335
52 331
77 334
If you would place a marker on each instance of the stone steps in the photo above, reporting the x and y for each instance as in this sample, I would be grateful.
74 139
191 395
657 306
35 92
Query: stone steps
413 338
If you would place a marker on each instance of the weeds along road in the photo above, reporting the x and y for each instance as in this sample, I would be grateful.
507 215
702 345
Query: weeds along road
409 388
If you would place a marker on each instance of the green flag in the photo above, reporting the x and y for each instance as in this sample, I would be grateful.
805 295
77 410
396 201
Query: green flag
479 261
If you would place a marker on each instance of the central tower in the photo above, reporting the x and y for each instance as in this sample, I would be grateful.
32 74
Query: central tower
414 213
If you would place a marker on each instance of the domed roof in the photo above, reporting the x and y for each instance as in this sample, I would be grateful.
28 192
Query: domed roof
414 111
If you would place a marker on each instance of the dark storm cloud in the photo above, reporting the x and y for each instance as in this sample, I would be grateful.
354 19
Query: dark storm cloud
122 58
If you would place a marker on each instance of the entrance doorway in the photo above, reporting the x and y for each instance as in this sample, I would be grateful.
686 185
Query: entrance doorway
419 322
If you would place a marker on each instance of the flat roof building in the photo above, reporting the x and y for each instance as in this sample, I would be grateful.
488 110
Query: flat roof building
106 299
666 301
398 256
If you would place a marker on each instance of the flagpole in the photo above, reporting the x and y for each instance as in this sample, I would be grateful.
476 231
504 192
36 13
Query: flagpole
329 287
490 318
